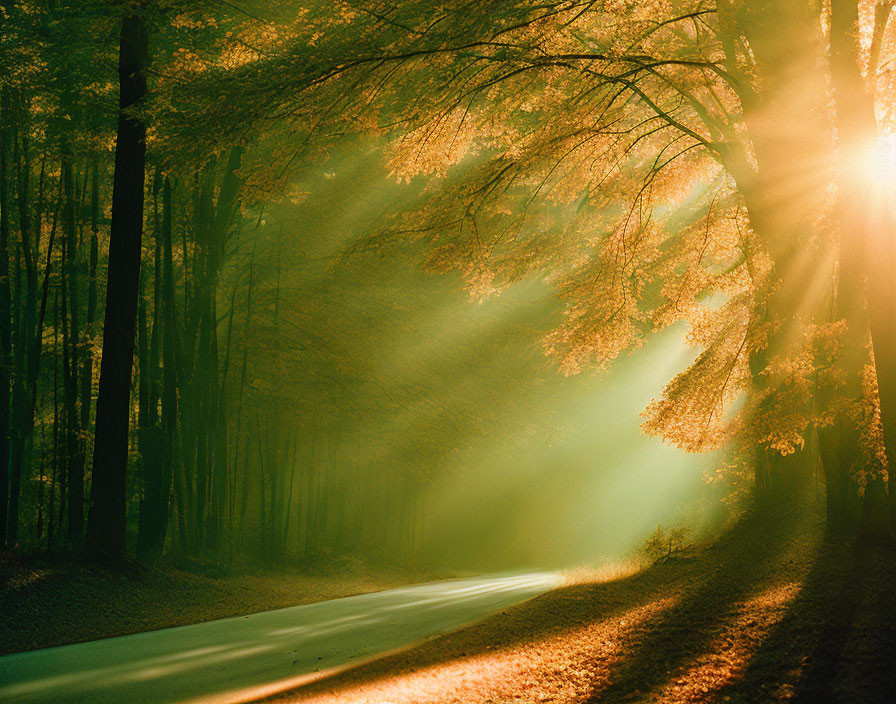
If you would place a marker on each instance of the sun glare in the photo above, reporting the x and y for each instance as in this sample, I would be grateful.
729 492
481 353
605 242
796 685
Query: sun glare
880 161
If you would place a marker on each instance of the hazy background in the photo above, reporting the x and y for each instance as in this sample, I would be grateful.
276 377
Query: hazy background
511 463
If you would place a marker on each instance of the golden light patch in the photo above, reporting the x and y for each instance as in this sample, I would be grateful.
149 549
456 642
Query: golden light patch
725 658
564 667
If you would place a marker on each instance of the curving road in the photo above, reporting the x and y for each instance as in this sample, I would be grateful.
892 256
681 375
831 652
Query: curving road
244 658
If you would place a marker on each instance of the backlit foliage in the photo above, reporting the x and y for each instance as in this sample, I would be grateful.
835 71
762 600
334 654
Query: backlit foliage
661 163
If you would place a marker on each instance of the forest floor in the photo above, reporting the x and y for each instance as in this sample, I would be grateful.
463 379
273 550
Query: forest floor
47 602
770 613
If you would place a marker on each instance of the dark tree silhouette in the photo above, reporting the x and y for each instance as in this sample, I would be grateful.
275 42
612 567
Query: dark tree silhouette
106 526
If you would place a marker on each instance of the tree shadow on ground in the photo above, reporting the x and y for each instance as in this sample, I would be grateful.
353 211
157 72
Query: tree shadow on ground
747 562
837 640
705 591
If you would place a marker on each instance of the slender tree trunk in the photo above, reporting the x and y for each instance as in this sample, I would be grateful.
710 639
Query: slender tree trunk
55 423
240 392
244 500
107 521
292 478
146 444
93 259
264 548
74 442
41 481
22 413
61 354
8 525
158 478
149 436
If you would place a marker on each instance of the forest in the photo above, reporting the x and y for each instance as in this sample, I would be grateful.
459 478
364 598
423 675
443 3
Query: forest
572 319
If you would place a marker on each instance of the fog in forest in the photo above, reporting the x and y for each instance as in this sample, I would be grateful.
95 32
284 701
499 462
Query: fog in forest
449 438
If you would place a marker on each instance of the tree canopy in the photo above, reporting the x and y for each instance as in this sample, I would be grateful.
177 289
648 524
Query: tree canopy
656 162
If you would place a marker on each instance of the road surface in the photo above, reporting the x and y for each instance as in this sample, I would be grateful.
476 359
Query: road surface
244 658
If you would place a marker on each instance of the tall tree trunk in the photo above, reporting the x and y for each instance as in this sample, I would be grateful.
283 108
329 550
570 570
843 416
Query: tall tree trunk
292 479
239 411
93 258
22 412
106 530
148 431
74 442
146 444
6 536
51 509
158 475
864 247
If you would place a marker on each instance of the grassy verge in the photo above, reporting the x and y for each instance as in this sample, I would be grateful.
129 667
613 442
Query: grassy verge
45 603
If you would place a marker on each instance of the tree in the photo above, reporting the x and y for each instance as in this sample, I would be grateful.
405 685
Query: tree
5 314
106 530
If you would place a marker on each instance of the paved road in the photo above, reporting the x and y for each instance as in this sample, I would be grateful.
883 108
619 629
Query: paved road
240 659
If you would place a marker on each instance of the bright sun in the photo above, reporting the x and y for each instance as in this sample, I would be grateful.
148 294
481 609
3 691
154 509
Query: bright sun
880 161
